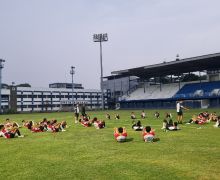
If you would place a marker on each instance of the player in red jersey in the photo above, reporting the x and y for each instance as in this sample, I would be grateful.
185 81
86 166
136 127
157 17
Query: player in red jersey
98 124
120 134
149 135
10 133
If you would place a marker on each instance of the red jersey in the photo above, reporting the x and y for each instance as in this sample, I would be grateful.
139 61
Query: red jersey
50 128
86 123
4 133
149 134
36 129
120 134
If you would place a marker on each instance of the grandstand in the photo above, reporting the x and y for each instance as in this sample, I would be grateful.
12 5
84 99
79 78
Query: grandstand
160 85
153 92
205 89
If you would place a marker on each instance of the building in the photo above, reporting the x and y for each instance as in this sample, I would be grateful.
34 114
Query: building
120 85
66 85
28 99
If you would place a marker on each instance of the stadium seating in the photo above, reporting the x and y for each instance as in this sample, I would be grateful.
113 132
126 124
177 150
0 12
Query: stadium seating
204 89
153 92
215 92
187 90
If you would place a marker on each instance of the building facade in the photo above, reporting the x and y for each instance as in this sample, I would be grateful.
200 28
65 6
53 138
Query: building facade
119 86
25 99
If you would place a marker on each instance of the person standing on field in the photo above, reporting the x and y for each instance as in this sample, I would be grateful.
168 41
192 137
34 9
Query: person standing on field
76 112
179 110
83 109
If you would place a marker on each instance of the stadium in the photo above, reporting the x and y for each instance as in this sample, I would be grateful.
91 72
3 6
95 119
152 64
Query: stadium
80 146
160 85
76 105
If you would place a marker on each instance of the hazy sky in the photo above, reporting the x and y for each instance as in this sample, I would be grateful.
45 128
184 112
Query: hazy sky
41 39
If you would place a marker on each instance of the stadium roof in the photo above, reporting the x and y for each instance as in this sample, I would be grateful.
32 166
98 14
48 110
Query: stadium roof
200 63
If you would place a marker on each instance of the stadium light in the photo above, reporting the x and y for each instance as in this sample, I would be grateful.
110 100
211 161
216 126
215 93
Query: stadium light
72 72
1 67
101 38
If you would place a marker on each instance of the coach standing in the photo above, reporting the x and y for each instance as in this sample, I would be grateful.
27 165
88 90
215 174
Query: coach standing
179 110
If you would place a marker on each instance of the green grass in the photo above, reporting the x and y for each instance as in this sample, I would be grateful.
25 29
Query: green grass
87 153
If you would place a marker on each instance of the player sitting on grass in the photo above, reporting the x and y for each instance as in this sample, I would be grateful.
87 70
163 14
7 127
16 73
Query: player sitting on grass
143 115
44 123
133 115
157 115
213 117
217 124
137 126
84 121
168 115
37 127
58 127
98 124
55 126
117 116
9 123
200 119
149 135
107 116
174 127
170 125
10 132
63 125
27 124
34 127
120 134
165 124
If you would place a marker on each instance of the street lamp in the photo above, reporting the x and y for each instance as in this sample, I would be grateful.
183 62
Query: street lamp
1 67
101 38
72 72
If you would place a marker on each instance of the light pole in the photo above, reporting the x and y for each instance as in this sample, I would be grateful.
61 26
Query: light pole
72 72
101 38
1 67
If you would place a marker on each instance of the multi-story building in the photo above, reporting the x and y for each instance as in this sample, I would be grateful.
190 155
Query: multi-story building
28 99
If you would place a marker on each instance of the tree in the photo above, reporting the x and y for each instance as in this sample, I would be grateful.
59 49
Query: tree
23 85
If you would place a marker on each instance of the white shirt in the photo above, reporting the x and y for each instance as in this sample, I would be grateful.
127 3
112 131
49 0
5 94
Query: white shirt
77 109
178 107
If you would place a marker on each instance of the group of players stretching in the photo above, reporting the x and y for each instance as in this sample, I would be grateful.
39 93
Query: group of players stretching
11 129
45 125
87 122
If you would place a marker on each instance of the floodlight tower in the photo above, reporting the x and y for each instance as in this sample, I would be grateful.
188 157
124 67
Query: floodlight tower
72 72
101 38
1 67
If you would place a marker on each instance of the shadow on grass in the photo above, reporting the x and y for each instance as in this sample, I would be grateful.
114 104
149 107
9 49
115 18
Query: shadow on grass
129 139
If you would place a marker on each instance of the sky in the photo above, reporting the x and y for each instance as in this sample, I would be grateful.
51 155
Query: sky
41 39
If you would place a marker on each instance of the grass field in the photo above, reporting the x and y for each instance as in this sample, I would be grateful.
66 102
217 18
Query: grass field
87 153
